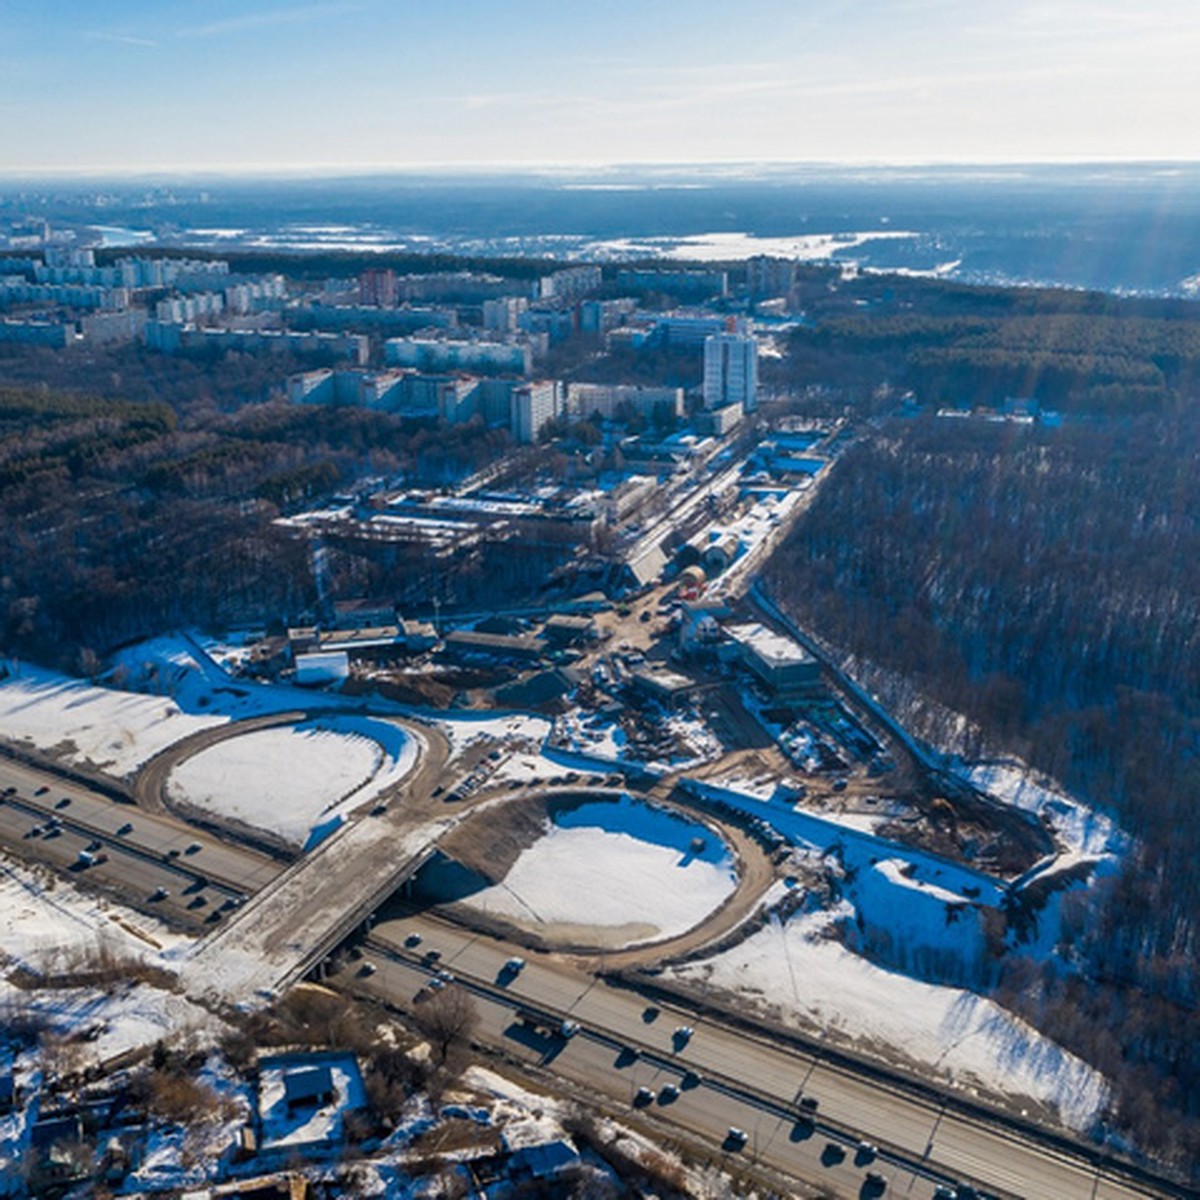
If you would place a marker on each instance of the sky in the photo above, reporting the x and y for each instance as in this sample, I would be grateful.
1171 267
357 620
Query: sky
265 85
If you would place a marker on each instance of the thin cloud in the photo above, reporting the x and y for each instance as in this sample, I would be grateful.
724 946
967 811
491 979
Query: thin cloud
122 39
270 19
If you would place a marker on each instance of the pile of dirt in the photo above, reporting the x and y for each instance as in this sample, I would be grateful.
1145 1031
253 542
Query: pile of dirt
491 842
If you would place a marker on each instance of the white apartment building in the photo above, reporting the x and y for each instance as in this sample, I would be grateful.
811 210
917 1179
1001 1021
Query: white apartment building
731 371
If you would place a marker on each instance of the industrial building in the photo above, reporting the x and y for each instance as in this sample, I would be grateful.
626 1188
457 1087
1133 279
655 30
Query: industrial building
781 663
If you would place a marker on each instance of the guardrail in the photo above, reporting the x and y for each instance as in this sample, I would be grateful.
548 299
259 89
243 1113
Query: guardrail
1081 1154
738 1089
353 918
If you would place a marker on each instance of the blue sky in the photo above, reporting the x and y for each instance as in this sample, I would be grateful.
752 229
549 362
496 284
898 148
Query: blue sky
192 84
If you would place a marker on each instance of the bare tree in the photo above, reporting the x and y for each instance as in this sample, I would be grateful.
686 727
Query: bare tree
448 1019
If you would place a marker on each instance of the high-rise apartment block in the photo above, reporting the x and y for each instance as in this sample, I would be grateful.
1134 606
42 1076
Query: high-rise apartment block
377 288
731 371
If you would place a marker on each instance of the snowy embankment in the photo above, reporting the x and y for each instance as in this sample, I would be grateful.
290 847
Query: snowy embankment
1081 830
918 912
47 926
175 690
809 979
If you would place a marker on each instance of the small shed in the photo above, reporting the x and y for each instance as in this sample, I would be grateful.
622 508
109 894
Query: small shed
564 630
308 1086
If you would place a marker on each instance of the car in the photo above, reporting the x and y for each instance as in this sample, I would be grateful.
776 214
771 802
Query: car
11 790
198 902
668 1093
171 854
941 1192
514 964
379 809
35 831
650 1013
865 1152
735 1138
964 1191
690 1080
63 803
413 939
94 845
642 1097
368 968
127 828
809 1104
435 984
41 791
159 893
682 1034
569 1028
193 848
833 1153
875 1184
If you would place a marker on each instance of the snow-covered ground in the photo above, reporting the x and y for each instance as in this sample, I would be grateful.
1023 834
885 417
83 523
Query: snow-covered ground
162 690
114 731
288 779
309 1124
1081 829
809 979
520 731
127 1016
630 869
44 919
47 925
592 734
601 737
198 1153
914 910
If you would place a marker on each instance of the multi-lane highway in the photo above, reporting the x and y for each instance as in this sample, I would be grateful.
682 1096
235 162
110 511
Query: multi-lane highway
750 1082
715 1078
184 874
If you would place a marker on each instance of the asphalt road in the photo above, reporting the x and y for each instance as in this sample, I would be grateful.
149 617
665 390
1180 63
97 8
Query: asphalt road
144 852
278 935
909 1130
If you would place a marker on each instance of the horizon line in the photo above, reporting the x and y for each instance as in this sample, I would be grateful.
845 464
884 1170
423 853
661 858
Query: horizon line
743 166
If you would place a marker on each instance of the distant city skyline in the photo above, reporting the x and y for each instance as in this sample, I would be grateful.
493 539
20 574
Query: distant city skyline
345 85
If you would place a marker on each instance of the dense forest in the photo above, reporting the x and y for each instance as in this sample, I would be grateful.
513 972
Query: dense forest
124 517
960 347
1046 583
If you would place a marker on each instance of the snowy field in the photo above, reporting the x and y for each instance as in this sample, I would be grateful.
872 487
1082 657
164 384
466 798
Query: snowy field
48 925
43 918
810 980
110 730
161 692
631 871
288 779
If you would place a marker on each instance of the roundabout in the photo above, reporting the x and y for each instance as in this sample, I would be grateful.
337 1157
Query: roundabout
595 871
282 781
